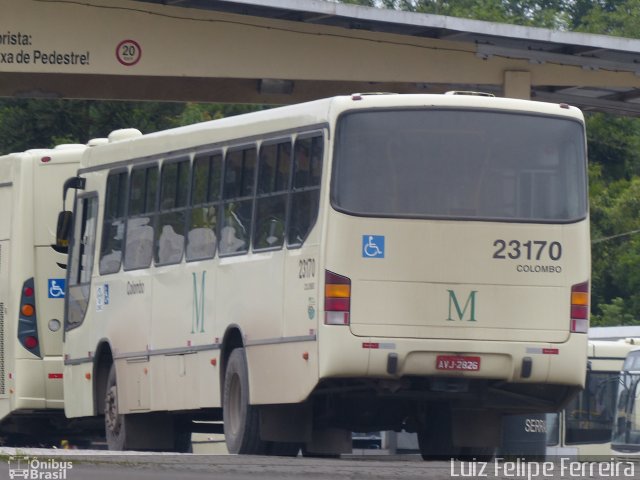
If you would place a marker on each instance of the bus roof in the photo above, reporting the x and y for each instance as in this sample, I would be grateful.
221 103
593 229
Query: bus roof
65 153
291 117
609 355
614 333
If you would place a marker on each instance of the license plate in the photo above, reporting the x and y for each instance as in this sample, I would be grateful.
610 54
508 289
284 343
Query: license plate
458 363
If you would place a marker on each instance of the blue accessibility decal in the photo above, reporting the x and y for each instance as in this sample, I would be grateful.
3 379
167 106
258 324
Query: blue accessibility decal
373 246
55 287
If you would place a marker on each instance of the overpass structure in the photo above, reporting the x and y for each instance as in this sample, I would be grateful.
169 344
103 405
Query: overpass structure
286 51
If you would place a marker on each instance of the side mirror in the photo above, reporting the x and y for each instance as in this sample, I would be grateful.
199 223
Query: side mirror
63 231
65 217
77 183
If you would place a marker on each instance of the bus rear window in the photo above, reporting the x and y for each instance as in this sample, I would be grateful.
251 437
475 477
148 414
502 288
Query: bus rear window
460 164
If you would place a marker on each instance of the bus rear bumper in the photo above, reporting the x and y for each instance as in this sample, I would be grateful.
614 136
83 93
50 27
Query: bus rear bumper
516 362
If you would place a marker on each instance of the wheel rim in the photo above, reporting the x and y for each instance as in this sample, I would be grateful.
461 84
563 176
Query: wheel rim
111 417
235 404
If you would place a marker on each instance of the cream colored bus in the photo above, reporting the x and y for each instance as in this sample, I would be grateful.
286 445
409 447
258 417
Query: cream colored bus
625 441
583 428
32 287
358 263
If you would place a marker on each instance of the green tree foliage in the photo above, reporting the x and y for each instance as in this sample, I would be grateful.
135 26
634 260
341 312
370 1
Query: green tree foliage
612 17
203 112
614 314
542 13
26 123
614 153
614 146
616 248
364 3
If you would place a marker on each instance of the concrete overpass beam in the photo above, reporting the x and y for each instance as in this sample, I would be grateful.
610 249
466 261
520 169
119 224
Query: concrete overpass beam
517 84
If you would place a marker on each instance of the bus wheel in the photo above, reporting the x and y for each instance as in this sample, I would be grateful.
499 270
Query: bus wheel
241 420
114 423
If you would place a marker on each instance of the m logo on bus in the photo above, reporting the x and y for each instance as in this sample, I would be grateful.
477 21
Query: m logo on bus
197 319
469 306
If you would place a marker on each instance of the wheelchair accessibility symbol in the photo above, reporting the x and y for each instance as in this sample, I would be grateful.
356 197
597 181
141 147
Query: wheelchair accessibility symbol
373 246
56 287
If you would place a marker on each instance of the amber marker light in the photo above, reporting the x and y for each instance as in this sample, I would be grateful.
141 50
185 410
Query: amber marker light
338 291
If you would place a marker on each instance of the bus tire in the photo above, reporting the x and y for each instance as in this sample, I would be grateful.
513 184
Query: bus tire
241 420
114 422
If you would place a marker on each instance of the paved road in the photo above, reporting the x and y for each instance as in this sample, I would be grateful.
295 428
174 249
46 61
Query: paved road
90 465
101 465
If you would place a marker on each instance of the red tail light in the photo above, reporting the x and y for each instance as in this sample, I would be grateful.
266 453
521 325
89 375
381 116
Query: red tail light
337 299
28 319
580 308
30 342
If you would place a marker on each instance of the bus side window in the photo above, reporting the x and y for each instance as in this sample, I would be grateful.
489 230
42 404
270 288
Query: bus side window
305 194
139 234
205 204
271 203
238 194
113 226
172 219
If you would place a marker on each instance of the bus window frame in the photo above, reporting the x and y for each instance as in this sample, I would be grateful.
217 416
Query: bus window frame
185 208
286 192
115 171
151 213
332 181
210 156
323 135
236 199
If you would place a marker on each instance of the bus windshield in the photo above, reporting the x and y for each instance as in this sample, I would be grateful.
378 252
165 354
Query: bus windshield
460 164
626 430
590 414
